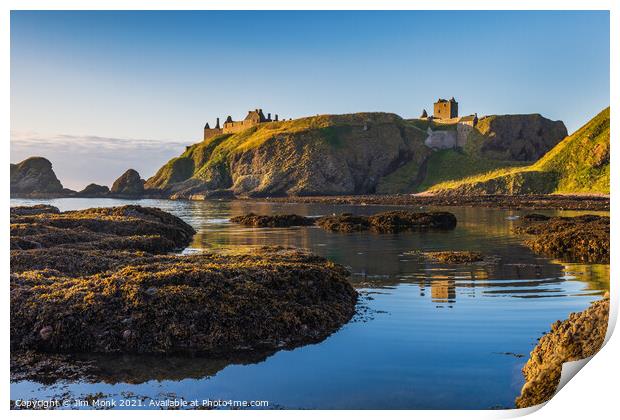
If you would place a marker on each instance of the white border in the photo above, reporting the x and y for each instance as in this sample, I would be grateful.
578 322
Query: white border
591 394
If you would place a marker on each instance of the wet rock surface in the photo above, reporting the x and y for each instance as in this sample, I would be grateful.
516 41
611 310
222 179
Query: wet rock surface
388 222
102 281
455 257
282 220
578 337
582 238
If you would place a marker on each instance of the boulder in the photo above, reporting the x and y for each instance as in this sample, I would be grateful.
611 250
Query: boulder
129 184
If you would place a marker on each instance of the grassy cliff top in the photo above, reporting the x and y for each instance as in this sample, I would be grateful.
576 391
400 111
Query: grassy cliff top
579 163
213 152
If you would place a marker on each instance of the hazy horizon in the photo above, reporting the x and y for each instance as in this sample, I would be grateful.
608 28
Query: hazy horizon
99 92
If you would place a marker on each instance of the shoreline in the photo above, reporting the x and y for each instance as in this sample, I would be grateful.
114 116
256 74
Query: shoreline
531 202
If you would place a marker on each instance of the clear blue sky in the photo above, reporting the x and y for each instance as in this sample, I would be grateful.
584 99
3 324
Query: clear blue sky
161 75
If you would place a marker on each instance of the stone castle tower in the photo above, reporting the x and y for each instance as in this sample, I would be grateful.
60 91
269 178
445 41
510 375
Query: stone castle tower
444 109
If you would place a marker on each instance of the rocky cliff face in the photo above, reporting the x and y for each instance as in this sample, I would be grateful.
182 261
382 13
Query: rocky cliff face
33 176
324 155
518 137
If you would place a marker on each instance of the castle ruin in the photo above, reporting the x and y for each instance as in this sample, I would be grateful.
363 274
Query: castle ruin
253 118
446 112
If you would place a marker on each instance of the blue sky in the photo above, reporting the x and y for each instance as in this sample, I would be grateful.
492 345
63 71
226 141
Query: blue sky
159 76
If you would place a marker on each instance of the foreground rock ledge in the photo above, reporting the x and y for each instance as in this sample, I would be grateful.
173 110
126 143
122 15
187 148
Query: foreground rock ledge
578 337
100 280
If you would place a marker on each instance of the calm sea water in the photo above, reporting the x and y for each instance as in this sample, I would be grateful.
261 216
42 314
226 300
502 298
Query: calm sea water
427 335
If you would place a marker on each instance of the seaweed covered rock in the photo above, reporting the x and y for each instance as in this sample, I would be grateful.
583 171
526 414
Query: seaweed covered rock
345 222
389 221
581 238
202 303
578 337
101 280
279 220
455 257
129 184
100 228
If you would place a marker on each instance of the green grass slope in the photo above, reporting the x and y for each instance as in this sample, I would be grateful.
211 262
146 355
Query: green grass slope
579 164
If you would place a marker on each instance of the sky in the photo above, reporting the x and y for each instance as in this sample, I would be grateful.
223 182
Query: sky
97 92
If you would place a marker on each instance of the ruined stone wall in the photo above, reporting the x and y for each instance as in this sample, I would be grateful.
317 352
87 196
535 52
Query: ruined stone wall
462 132
237 126
211 132
441 139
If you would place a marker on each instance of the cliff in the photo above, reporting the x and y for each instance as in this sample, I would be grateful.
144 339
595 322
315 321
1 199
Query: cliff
579 164
497 141
322 155
362 153
34 176
517 137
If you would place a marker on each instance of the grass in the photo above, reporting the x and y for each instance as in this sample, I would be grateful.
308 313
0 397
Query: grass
445 166
402 180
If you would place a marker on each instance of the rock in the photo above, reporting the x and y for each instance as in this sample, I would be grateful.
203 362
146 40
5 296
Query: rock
34 175
46 333
455 257
127 227
117 289
345 222
129 184
535 217
519 137
577 239
33 210
517 202
94 190
578 337
280 220
390 221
